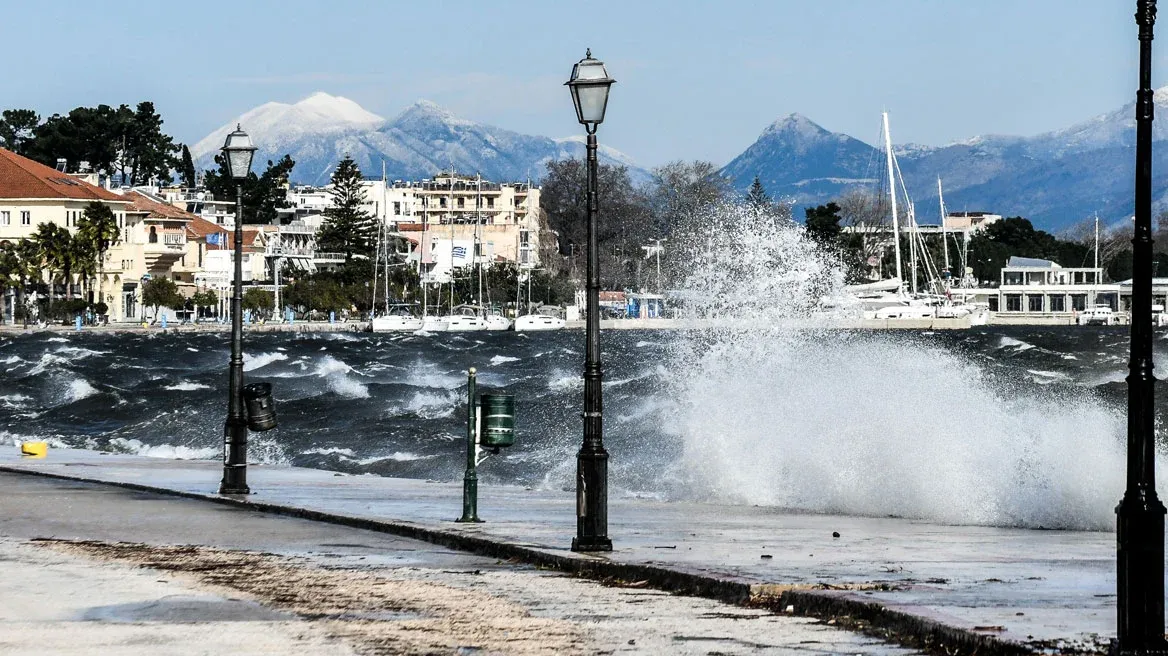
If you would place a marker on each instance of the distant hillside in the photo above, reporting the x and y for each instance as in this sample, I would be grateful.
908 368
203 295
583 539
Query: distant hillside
1056 179
421 141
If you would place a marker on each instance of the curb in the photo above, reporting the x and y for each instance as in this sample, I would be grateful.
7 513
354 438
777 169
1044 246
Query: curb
841 609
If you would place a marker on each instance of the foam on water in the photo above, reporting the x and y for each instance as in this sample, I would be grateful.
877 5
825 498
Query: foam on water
336 374
186 386
136 447
253 362
869 423
79 388
502 359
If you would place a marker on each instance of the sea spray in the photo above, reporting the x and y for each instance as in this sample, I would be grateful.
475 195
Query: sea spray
877 423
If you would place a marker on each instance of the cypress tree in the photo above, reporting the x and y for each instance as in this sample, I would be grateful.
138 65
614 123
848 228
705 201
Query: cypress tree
347 227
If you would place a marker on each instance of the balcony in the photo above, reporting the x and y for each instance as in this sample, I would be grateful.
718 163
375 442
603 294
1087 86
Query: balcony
329 258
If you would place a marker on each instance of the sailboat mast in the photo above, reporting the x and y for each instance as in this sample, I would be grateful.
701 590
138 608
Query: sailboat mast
450 219
1097 240
478 220
944 232
892 196
383 235
424 278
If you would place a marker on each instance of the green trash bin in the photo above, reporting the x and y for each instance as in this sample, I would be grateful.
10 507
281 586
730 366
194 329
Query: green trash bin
497 421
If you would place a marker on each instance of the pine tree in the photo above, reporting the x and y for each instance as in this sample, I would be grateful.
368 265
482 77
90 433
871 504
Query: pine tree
757 196
188 168
347 228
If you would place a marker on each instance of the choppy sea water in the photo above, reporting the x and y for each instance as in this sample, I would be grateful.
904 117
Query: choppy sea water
1018 426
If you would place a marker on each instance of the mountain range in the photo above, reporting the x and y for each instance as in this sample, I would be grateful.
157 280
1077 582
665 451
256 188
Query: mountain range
421 141
1056 179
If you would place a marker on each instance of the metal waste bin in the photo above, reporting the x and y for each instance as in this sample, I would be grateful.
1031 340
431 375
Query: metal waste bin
497 422
261 409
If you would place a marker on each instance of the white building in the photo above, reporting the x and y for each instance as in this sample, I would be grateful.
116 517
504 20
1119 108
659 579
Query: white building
1041 288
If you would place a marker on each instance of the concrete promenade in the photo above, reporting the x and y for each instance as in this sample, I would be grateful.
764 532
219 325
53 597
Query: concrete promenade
971 589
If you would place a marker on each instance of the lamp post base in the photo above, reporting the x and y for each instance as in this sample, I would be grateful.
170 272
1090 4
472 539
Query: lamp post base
1158 650
591 544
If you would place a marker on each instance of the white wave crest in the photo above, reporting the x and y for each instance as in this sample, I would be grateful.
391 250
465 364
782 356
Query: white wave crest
186 386
259 360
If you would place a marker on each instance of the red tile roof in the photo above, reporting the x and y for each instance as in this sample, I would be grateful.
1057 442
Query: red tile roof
21 177
155 209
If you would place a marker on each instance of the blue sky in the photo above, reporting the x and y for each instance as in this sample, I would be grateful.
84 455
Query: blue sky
696 80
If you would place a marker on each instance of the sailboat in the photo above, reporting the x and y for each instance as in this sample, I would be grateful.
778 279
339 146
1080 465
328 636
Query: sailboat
392 317
430 323
892 299
545 317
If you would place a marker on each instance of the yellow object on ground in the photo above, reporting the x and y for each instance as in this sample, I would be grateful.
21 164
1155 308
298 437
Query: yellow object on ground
34 449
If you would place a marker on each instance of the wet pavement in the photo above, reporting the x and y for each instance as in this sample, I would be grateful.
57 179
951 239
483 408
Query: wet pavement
1029 586
94 568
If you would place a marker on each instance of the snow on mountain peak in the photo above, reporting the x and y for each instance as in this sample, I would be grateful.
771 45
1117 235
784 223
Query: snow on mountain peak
797 124
274 123
325 106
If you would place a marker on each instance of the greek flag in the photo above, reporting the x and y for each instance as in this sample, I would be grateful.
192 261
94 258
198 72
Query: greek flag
459 252
215 239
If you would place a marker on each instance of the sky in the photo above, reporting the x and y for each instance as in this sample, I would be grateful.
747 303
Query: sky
695 80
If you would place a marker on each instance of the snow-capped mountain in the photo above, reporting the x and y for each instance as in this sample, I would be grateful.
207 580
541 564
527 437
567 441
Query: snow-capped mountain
421 141
1056 179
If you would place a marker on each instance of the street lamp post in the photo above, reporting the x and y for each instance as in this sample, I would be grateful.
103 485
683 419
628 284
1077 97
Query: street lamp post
237 151
1140 526
589 85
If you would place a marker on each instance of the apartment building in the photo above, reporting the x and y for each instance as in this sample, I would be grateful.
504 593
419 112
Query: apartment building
32 193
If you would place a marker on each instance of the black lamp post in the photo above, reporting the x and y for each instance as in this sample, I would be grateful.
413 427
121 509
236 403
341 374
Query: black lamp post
1140 532
238 151
589 85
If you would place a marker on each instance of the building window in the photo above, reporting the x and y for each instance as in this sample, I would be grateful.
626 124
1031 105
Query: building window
490 201
397 208
1058 303
461 203
442 202
1035 303
1013 302
524 238
153 235
1078 302
1011 277
5 218
25 218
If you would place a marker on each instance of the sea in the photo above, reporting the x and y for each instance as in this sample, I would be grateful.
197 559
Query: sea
998 426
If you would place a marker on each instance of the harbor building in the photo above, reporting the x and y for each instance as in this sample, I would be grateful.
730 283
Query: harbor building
1033 289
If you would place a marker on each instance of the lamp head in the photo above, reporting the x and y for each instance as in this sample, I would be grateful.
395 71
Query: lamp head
589 85
239 151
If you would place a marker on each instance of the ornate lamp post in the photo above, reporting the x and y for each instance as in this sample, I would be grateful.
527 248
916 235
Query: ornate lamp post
589 85
1140 530
238 151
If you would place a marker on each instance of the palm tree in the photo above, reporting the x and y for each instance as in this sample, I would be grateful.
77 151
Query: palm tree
99 228
56 253
28 269
9 269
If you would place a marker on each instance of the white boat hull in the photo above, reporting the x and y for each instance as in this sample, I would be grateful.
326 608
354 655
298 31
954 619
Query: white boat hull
532 322
465 324
392 324
435 325
497 322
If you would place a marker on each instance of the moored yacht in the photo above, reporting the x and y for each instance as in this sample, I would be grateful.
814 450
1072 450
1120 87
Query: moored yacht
545 318
396 318
465 318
